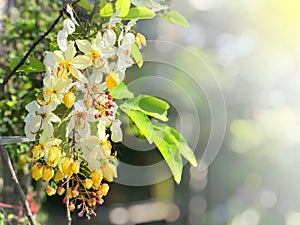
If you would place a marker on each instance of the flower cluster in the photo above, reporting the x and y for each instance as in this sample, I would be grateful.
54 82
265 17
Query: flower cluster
75 119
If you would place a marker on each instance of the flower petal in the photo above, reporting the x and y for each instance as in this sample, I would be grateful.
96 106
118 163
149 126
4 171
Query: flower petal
70 51
84 46
78 75
62 40
81 62
69 26
116 130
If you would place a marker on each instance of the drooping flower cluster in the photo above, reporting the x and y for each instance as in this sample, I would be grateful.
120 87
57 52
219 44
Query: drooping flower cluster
74 118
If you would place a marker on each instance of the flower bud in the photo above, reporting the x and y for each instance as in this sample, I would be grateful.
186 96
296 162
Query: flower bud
58 176
112 80
140 40
75 166
60 190
37 171
48 173
96 178
87 183
71 207
37 152
92 202
104 188
54 156
69 99
50 190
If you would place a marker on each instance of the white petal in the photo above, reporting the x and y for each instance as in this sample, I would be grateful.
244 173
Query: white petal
78 75
54 118
70 51
58 56
81 62
101 130
129 39
109 38
70 11
49 60
62 40
85 131
97 42
69 26
116 131
96 77
84 46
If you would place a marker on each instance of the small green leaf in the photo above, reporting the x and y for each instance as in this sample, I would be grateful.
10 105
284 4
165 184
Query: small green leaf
142 122
124 6
86 5
155 5
179 140
107 10
148 105
137 55
168 148
31 65
121 92
139 13
175 18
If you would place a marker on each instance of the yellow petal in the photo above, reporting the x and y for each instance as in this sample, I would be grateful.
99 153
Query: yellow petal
69 99
112 80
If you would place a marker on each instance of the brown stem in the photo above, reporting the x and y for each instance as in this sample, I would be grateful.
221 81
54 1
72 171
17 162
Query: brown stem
23 60
16 183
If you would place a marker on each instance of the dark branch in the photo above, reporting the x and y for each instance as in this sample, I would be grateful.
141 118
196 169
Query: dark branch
17 185
23 60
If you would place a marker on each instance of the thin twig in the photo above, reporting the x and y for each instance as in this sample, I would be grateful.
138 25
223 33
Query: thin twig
23 60
17 185
67 205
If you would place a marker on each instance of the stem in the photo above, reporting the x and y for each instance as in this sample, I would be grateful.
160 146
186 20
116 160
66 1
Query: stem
67 205
17 185
23 60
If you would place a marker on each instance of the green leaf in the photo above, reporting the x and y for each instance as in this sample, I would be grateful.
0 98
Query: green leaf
142 122
139 13
179 140
121 92
168 148
124 6
31 65
107 10
175 18
148 105
155 5
137 55
86 5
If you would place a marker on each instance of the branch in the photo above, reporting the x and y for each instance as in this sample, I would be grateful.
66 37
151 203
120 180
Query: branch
67 204
17 185
23 60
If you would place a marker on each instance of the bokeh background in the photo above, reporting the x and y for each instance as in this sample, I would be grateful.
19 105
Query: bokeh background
251 50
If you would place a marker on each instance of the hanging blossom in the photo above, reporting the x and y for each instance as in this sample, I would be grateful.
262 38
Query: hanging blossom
75 117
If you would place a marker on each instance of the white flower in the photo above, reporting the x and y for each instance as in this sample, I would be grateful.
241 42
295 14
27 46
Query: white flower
124 52
62 36
96 51
66 63
80 117
109 35
39 118
116 131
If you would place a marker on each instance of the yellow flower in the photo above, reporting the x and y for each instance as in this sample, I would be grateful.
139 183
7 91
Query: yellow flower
37 171
37 152
140 40
92 202
112 80
50 190
54 156
59 176
69 99
60 190
66 167
106 148
104 188
48 173
109 171
75 166
96 178
87 183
